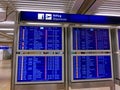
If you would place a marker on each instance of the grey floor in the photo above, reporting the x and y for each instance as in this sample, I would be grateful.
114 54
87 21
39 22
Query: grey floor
5 77
5 74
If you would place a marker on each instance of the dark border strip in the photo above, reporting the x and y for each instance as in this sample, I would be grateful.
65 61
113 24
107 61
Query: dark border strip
89 6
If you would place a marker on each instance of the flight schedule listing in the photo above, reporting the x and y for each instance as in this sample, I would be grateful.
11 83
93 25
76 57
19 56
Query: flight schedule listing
91 67
90 39
39 68
40 38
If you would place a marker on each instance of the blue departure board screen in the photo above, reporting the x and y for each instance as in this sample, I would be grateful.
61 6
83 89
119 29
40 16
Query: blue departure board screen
91 67
40 38
37 69
119 38
90 39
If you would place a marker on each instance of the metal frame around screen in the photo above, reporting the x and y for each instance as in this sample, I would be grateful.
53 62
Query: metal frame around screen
117 39
40 50
39 81
90 50
101 79
117 53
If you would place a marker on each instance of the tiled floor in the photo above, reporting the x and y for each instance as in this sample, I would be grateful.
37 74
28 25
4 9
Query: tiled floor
5 75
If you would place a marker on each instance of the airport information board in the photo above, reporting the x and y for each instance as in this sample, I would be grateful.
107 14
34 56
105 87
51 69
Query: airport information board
91 67
90 39
39 69
40 38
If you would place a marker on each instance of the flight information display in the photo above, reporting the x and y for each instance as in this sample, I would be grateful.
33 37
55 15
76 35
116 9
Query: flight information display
37 69
119 38
91 67
40 38
90 39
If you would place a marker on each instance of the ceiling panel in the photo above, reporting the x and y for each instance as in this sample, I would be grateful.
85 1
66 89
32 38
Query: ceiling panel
66 6
105 7
43 5
9 6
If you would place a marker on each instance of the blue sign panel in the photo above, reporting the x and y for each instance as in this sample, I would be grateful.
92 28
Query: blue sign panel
39 69
90 39
119 38
4 47
91 67
68 18
41 16
40 38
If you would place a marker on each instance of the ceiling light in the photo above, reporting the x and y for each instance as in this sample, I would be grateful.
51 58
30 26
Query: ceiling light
109 8
10 33
7 22
7 29
96 26
52 24
1 10
108 14
56 11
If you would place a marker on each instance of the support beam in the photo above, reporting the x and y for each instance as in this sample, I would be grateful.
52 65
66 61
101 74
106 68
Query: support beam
6 35
6 44
76 6
8 6
95 7
8 3
86 6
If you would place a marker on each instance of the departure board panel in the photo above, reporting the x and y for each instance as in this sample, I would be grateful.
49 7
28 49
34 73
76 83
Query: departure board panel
40 38
119 38
91 67
39 69
90 39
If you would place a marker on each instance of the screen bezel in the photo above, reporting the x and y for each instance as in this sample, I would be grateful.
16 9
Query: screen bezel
117 37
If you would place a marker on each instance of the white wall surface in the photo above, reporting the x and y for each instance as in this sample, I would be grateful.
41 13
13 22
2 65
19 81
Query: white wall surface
1 54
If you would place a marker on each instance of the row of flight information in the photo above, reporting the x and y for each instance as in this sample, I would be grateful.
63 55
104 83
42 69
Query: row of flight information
39 68
50 68
91 67
40 38
52 38
90 39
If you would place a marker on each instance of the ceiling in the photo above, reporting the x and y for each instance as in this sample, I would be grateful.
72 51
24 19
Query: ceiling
66 6
9 7
105 7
